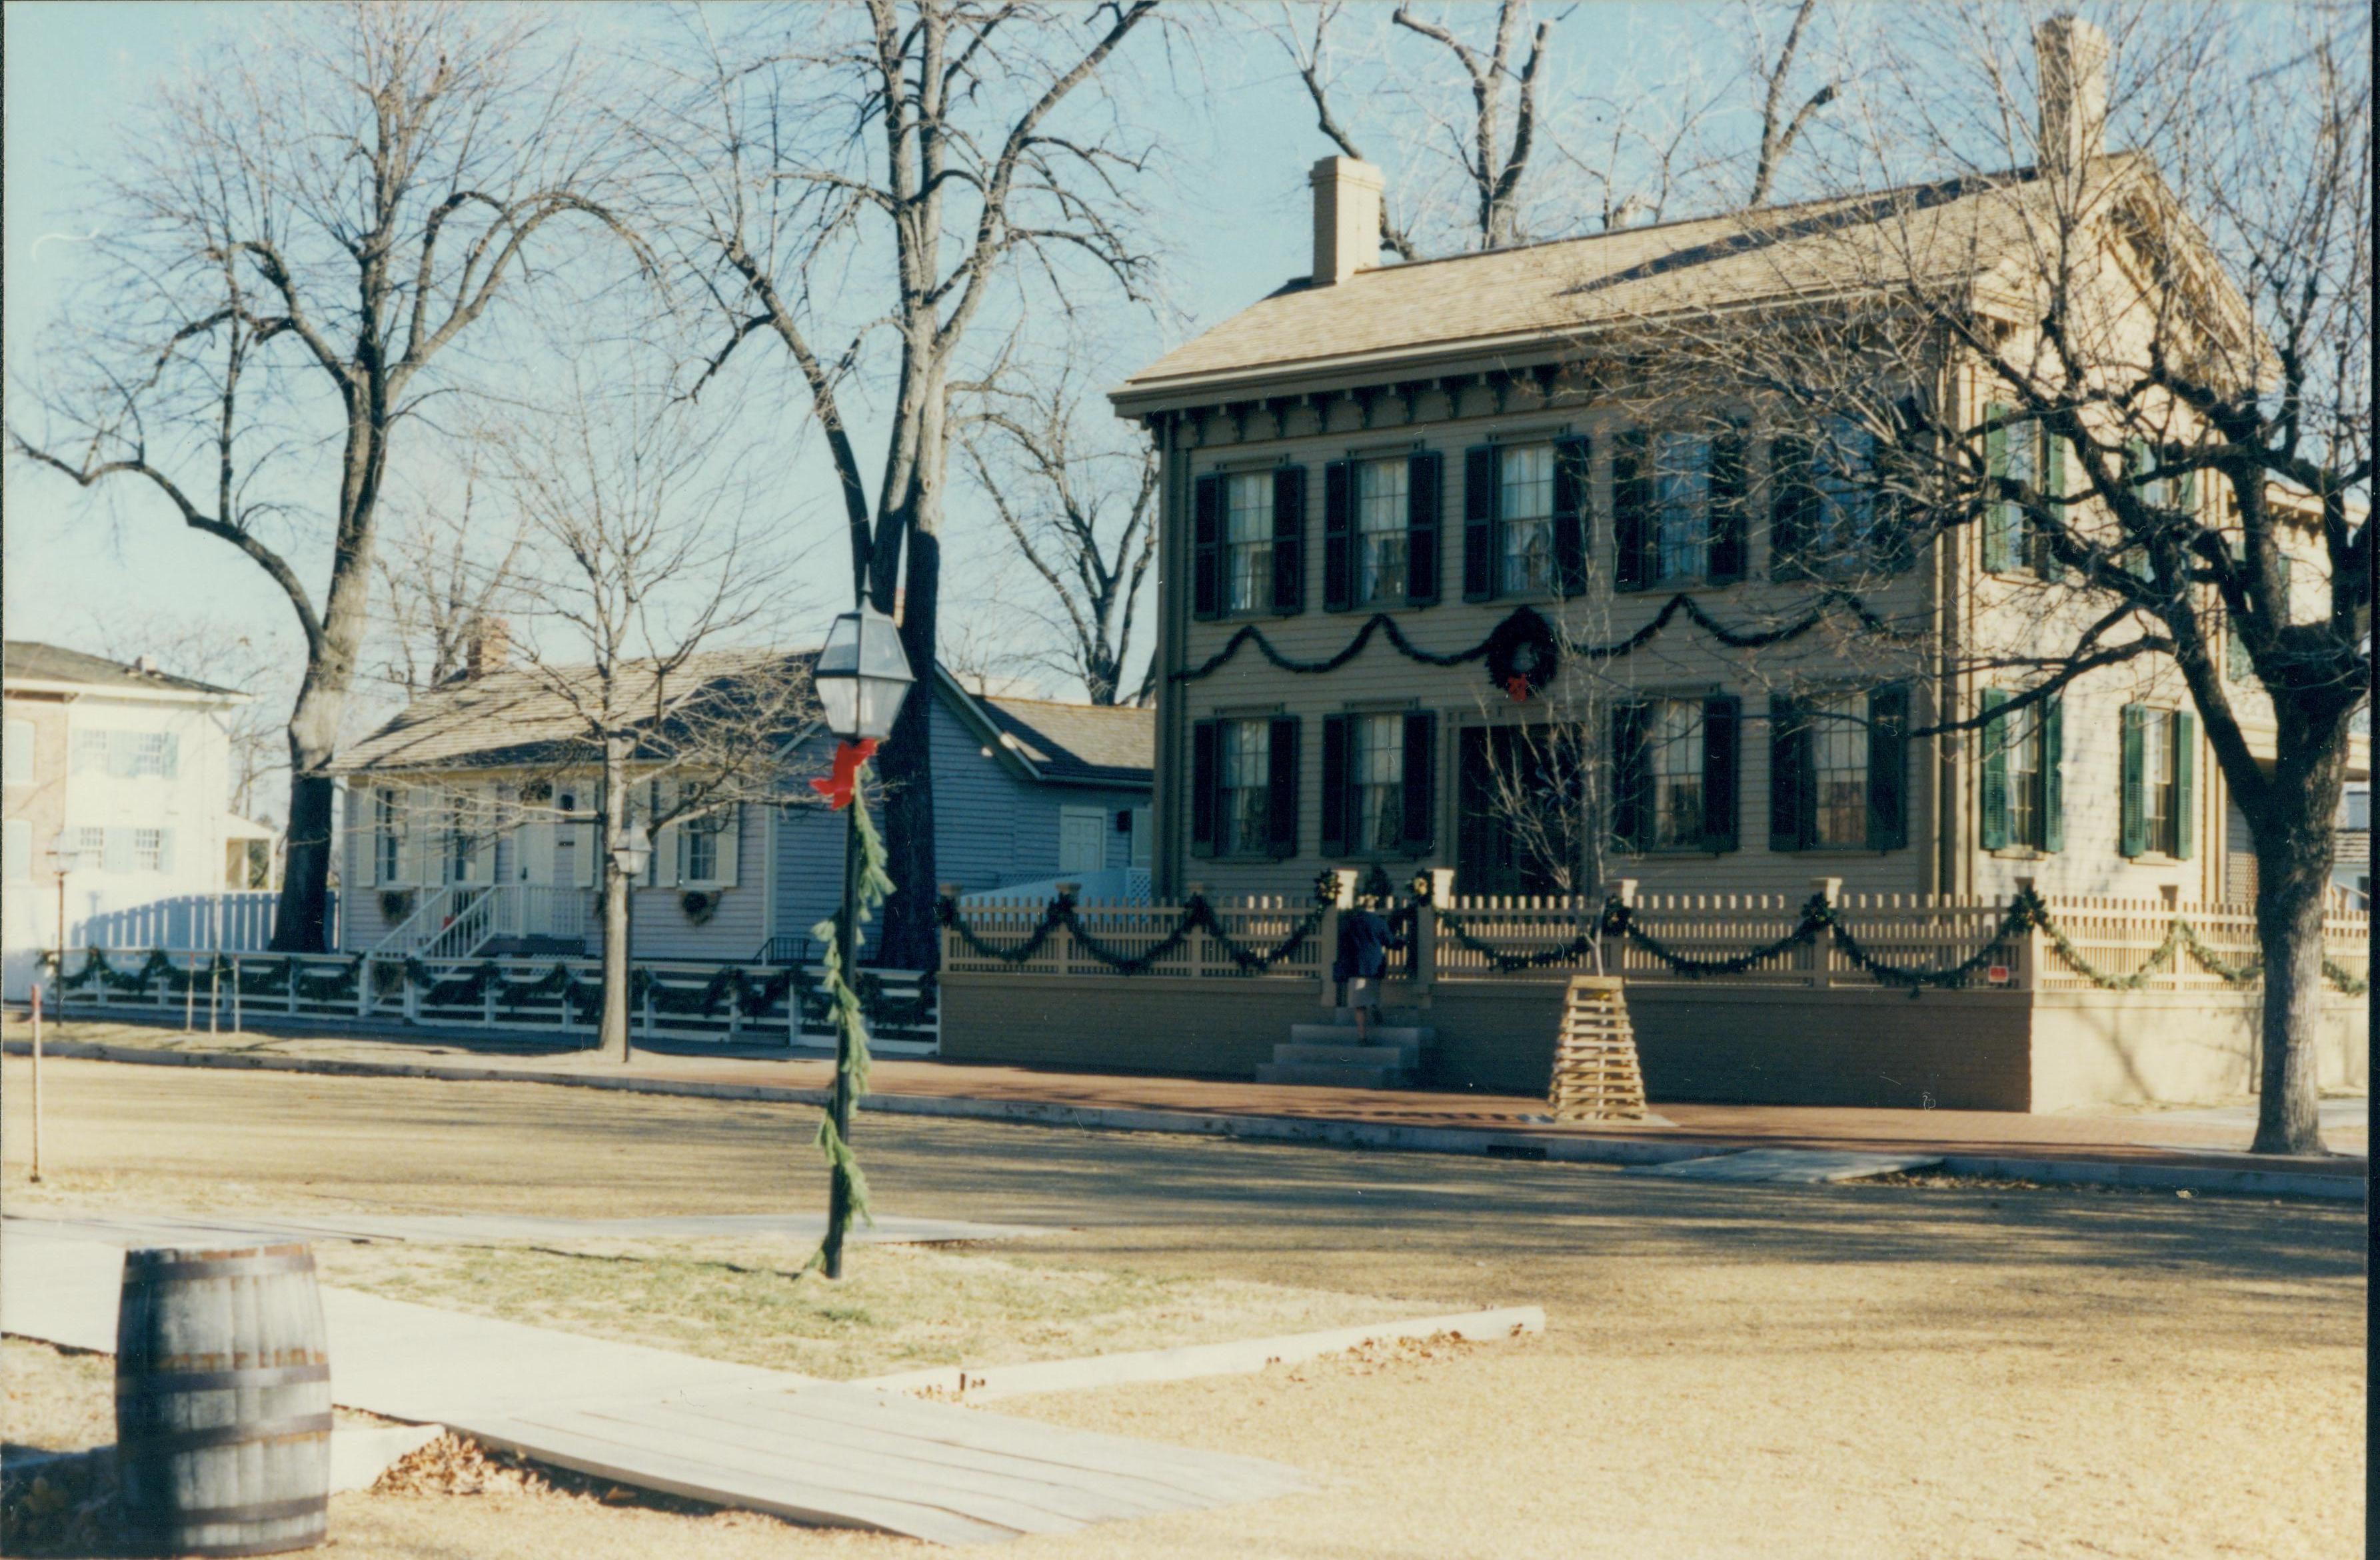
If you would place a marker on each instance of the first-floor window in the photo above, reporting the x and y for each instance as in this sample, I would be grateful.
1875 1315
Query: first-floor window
1674 761
388 837
462 845
2020 796
147 850
1839 755
2024 773
1379 770
1247 541
1524 508
2160 781
1380 537
92 852
1245 765
19 860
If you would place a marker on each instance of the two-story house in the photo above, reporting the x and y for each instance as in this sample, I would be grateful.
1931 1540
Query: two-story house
129 767
1399 499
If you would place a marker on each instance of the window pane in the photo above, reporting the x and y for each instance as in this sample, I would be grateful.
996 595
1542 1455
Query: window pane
1681 503
1844 462
1247 538
2022 743
2158 779
1839 767
1379 530
1380 769
1525 506
1674 736
1247 779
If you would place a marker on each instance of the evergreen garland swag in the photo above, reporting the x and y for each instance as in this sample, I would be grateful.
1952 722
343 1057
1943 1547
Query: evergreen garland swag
1197 915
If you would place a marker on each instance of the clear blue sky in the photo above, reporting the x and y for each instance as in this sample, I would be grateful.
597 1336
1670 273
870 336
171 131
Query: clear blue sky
1237 208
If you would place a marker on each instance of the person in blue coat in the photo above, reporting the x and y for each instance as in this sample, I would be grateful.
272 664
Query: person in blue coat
1365 939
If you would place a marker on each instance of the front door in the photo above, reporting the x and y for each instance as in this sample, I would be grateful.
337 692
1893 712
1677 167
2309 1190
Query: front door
1082 839
1516 812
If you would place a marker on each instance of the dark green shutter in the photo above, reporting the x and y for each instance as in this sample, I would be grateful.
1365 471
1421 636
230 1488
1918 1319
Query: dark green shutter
1993 800
2185 783
1727 544
1631 510
1425 492
2002 518
1479 523
1722 719
1887 768
1787 746
1632 802
1206 547
1338 539
1289 539
1570 516
1419 779
1281 823
2134 809
2053 477
1790 504
1206 780
2052 774
1335 732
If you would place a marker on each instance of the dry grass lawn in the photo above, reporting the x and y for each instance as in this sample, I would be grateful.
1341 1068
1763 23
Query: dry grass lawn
897 1307
1901 1371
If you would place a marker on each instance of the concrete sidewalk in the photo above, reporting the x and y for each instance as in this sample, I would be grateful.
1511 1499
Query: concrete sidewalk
2199 1150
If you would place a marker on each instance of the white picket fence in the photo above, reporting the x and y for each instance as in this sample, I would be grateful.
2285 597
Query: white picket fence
235 922
381 996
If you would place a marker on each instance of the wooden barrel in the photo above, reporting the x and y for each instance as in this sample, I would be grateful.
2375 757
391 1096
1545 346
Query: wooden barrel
223 1401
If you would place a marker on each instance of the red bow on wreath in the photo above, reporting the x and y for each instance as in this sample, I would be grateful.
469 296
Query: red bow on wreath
848 756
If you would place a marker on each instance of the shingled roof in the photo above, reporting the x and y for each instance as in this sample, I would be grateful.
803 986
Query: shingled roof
29 661
526 715
1528 294
1080 743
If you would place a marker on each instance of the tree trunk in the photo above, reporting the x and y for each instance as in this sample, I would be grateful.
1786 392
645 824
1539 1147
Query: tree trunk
2289 902
910 939
611 1031
301 920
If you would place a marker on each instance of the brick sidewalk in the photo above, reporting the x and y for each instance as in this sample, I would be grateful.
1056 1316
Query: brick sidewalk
2141 1137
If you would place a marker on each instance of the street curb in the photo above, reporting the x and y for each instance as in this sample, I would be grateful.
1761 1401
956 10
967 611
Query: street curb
1302 1131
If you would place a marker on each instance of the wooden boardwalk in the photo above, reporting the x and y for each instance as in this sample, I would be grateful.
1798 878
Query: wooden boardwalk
818 1452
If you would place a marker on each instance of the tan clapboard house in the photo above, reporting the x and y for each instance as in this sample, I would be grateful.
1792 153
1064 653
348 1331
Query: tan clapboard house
1418 442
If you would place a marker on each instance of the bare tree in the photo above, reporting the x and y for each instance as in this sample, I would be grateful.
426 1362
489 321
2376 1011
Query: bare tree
444 577
649 582
2143 375
1081 505
859 185
1492 159
301 227
1779 130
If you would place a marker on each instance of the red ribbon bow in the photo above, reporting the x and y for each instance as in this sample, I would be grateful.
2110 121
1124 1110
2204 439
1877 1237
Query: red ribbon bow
837 787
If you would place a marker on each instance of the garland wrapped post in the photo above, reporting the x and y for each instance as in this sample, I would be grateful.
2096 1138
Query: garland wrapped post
865 886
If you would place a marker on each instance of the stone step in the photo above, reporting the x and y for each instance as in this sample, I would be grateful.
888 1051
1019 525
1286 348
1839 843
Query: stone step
1407 1017
1412 1037
1346 1055
1330 1075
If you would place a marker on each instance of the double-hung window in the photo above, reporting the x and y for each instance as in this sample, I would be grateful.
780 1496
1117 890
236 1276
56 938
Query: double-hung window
388 835
91 750
701 835
1526 507
1839 768
2021 795
1380 776
1843 469
1382 516
2159 763
1674 762
1245 816
1681 507
1247 541
147 850
155 755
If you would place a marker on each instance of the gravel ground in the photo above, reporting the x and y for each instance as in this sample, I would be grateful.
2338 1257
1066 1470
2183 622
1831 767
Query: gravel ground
1896 1371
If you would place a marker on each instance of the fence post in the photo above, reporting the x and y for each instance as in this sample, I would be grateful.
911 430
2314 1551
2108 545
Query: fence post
412 1003
1343 898
1615 949
1822 949
189 1000
1066 934
488 1004
364 988
295 969
734 1014
1198 944
235 1019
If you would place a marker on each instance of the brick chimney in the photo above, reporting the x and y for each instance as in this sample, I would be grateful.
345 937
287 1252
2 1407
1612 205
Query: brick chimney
1346 218
491 648
2071 54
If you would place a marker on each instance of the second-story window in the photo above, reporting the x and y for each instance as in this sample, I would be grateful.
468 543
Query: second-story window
1524 504
1247 541
1681 507
1382 516
701 837
1246 766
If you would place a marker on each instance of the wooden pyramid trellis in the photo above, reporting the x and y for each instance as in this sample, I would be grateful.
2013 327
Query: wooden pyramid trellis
1595 1076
